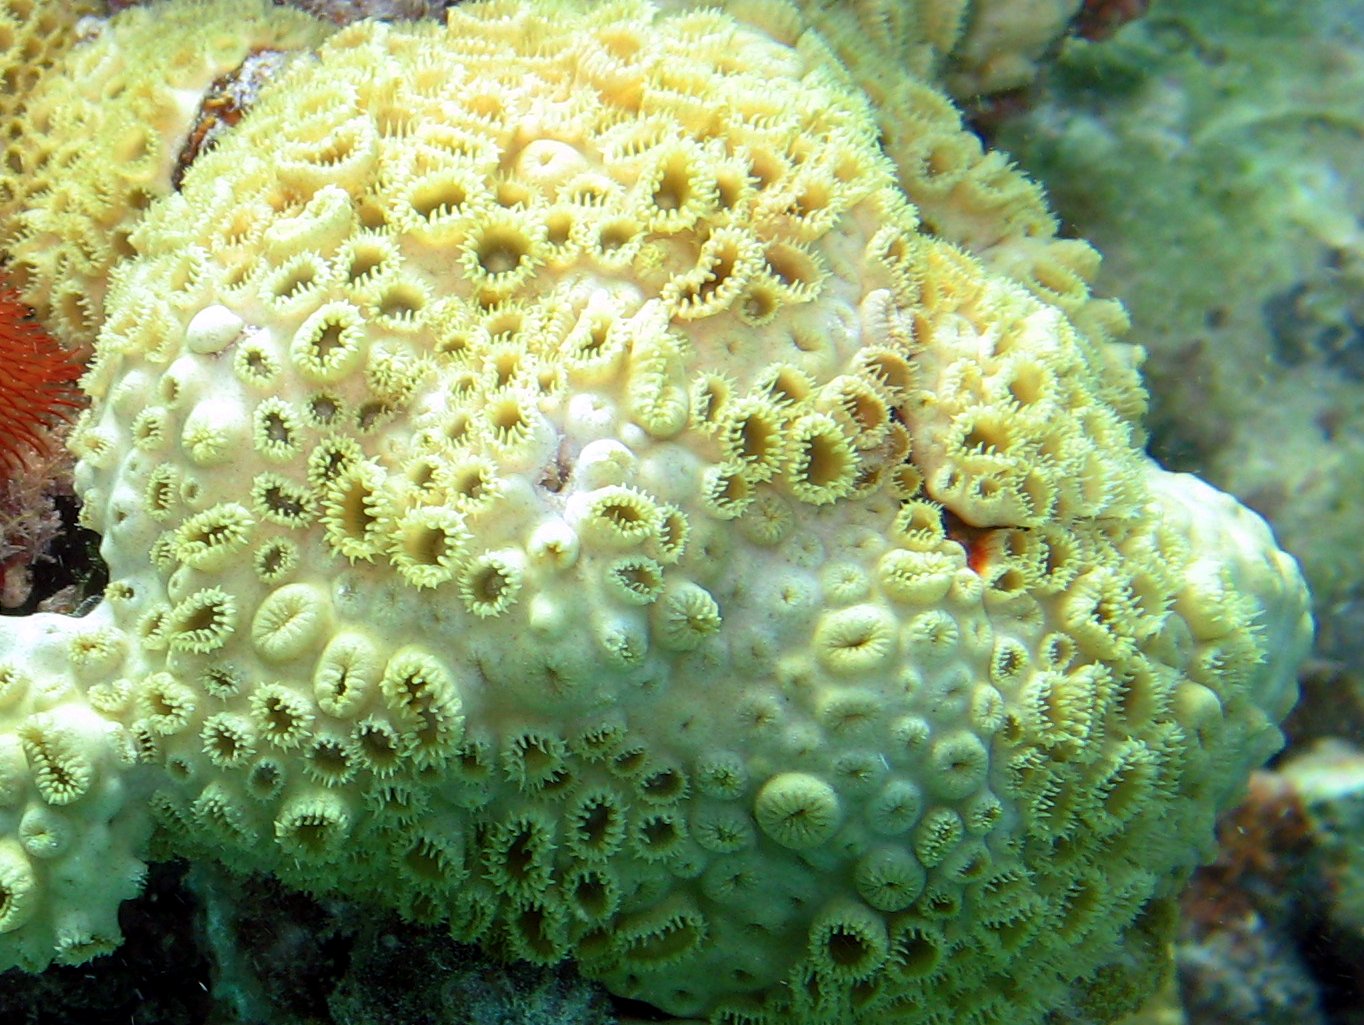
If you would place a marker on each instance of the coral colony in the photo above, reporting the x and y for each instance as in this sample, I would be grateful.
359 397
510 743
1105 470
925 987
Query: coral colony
555 482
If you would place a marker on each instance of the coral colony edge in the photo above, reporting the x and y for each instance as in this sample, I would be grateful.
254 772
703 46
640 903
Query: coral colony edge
562 477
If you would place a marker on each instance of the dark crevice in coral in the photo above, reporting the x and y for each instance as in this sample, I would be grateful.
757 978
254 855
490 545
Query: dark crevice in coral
158 976
72 573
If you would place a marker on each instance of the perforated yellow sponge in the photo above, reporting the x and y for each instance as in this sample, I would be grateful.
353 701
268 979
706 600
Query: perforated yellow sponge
549 483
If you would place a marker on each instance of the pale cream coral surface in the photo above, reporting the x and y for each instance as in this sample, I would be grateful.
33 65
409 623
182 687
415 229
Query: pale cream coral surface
98 135
552 482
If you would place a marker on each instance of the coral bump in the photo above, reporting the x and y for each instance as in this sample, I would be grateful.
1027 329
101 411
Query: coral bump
37 381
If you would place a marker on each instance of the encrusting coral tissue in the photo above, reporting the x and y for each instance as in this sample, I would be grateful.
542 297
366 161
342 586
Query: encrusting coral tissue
553 483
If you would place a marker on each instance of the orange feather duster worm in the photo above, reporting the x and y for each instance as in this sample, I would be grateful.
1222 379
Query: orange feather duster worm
37 382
